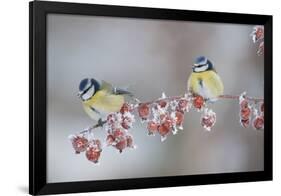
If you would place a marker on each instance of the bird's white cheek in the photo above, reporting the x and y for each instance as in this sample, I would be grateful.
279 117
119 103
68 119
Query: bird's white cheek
88 94
200 69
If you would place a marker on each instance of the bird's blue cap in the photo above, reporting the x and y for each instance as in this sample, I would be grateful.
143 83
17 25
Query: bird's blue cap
201 60
87 82
83 84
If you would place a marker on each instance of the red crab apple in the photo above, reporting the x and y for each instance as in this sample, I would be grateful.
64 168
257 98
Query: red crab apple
126 121
79 144
245 113
118 133
125 108
110 139
165 127
258 122
143 110
198 102
163 130
121 144
208 120
179 118
93 154
152 127
182 105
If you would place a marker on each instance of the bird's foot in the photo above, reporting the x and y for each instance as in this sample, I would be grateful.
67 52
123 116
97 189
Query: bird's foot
101 122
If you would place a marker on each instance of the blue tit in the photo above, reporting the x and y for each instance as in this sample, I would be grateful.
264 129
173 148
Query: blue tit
204 80
100 98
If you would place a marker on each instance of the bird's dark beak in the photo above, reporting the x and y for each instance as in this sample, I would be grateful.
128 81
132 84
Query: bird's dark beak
79 94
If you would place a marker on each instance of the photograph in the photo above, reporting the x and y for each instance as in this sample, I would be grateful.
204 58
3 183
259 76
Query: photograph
140 98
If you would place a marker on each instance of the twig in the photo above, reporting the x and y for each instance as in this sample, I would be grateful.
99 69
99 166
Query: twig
99 124
161 99
238 96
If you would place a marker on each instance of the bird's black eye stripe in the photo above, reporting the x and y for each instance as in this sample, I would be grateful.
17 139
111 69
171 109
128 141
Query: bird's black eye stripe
198 66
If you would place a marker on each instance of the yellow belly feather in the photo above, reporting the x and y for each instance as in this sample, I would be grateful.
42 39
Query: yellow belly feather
210 87
104 103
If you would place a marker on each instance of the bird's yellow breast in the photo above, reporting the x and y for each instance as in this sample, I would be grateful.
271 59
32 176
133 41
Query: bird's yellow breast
207 84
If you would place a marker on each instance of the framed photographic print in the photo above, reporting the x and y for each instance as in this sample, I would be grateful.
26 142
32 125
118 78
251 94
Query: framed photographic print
131 97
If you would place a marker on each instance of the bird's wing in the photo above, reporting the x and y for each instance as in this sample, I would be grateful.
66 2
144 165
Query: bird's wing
114 90
214 82
106 86
106 102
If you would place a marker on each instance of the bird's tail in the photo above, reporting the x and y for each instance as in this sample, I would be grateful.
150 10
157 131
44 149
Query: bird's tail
124 90
119 91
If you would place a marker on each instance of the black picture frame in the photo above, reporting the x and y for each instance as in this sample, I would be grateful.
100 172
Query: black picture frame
37 101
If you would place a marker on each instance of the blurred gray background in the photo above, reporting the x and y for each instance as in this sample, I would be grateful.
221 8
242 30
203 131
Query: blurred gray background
152 56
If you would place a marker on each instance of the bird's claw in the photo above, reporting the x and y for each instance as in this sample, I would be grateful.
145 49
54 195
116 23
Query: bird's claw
101 123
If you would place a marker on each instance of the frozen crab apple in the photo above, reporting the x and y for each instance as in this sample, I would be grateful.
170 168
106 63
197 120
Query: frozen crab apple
166 126
258 122
121 144
152 127
182 105
93 154
198 102
245 111
179 117
94 150
143 110
120 140
79 144
208 119
125 108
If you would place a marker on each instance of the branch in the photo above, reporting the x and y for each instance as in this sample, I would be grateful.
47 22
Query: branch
163 116
238 96
187 96
99 124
